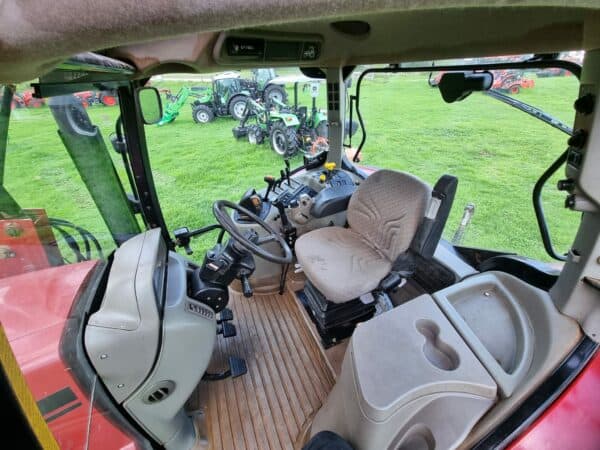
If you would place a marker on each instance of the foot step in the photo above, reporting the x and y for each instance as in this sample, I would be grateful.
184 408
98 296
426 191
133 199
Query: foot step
237 368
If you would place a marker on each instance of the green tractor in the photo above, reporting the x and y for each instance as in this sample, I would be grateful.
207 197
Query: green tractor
175 103
226 96
229 92
288 129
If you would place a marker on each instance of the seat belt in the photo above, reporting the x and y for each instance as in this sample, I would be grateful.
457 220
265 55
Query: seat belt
430 231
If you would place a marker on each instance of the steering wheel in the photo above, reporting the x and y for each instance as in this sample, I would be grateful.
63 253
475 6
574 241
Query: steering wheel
220 211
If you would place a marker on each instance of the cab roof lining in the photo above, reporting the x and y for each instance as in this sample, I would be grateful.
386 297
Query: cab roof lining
37 36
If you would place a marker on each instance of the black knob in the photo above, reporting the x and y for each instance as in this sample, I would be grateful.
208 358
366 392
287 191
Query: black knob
565 185
585 104
578 139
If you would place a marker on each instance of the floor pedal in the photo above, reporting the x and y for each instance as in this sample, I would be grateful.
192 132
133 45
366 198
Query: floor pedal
225 316
226 329
237 366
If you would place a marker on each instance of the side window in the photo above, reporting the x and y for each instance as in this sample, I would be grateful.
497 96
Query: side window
60 193
497 151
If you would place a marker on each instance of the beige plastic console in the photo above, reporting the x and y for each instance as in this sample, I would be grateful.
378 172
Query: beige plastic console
486 310
408 381
516 332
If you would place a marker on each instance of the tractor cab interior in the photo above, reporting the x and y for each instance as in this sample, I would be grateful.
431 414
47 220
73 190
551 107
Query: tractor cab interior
331 299
360 357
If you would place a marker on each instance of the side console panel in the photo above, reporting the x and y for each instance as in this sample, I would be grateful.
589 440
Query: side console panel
128 320
188 339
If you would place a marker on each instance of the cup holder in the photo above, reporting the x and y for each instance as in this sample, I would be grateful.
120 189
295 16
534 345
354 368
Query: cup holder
437 352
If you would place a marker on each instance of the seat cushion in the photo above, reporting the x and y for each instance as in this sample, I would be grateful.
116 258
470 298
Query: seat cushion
340 263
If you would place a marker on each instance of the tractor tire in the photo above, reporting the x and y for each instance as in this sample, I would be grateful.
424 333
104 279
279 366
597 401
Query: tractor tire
238 107
274 91
283 140
203 114
514 89
322 130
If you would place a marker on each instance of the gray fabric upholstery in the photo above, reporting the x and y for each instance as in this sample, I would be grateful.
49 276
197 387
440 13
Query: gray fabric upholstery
386 210
340 263
384 214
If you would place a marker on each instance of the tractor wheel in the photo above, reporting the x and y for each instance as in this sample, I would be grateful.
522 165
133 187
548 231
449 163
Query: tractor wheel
203 114
284 141
274 92
321 129
237 107
514 89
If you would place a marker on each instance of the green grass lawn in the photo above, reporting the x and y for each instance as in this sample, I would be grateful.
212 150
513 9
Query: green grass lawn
496 152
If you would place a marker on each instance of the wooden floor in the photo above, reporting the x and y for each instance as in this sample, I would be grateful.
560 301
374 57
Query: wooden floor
287 381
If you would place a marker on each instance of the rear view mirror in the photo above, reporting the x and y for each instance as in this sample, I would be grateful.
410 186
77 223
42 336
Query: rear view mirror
456 86
150 105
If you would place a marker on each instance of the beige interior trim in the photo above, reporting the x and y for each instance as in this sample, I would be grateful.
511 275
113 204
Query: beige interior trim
36 36
424 383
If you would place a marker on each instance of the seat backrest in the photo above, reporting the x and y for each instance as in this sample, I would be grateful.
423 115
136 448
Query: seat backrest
387 209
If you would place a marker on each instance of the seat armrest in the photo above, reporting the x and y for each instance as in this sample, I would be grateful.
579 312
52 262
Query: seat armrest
332 200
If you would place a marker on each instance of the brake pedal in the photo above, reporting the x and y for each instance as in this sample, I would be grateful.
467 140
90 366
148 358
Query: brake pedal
225 316
226 329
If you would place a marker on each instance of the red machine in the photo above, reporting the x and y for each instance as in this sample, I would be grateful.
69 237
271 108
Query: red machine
30 101
511 81
90 98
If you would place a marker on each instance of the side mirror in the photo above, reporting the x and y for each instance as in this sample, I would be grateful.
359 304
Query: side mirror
150 105
456 86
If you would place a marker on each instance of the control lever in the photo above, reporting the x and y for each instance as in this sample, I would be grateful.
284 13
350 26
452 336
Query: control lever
246 287
287 171
282 177
270 183
289 231
284 218
182 237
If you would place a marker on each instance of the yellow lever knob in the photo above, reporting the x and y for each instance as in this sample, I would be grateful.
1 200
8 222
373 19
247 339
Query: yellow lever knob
322 178
330 165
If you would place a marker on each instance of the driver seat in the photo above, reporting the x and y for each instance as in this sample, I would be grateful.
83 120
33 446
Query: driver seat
383 215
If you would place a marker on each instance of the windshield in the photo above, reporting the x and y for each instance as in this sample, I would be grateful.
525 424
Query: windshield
208 148
202 151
